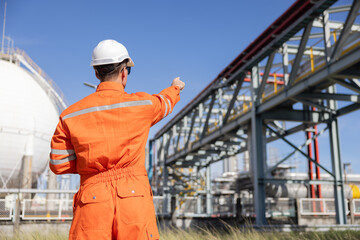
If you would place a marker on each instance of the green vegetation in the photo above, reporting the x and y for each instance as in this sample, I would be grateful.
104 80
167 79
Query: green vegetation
236 234
211 234
36 236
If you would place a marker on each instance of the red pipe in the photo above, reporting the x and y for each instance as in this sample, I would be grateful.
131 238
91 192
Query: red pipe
317 159
311 169
269 81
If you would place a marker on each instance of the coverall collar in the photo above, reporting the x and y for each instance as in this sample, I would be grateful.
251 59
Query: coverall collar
110 86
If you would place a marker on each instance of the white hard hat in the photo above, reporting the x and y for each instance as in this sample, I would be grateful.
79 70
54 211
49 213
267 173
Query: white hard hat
108 52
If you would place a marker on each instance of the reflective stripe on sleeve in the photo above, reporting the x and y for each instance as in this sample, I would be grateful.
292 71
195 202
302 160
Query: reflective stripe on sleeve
108 107
64 160
166 107
169 105
65 151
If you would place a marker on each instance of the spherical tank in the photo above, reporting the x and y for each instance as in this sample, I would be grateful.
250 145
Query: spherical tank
28 120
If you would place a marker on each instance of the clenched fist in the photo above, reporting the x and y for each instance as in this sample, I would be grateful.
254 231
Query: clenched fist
179 83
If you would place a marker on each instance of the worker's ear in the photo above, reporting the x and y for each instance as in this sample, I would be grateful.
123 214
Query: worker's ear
123 73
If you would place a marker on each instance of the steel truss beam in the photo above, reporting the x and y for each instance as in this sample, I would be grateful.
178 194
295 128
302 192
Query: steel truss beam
307 142
316 78
337 96
284 133
242 105
300 52
266 74
301 152
346 30
348 109
277 41
297 116
316 105
235 95
350 84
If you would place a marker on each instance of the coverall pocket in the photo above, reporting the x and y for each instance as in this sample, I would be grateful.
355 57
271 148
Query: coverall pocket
133 204
95 210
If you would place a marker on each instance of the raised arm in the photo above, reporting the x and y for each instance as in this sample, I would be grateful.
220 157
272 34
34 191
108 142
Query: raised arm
165 101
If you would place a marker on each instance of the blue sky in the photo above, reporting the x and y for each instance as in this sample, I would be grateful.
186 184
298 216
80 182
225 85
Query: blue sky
191 39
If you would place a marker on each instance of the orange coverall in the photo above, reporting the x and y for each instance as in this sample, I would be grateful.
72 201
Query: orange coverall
103 137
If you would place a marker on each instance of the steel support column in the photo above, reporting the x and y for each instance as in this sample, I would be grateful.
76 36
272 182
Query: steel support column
257 155
285 61
208 190
257 159
336 165
151 157
165 188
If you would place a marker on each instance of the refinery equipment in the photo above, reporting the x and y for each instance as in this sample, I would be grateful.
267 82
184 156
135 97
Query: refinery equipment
30 104
292 83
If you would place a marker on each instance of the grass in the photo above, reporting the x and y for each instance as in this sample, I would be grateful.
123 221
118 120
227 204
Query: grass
36 236
236 234
231 233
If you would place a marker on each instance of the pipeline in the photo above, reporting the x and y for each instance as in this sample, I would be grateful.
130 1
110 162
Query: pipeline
351 191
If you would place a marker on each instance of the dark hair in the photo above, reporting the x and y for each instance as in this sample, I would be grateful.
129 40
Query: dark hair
108 71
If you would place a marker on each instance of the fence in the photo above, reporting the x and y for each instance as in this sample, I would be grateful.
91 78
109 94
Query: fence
356 206
47 209
58 205
275 207
36 204
320 206
224 205
158 204
6 209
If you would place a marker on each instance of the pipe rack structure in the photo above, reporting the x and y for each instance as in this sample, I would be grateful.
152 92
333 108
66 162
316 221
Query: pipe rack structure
290 73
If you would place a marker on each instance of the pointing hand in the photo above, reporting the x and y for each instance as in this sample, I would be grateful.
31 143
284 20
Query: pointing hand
179 83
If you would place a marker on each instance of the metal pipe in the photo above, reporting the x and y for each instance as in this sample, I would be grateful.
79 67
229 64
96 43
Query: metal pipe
301 190
3 33
317 159
310 164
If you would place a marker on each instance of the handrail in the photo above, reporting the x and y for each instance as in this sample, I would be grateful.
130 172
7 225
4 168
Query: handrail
19 55
26 190
46 77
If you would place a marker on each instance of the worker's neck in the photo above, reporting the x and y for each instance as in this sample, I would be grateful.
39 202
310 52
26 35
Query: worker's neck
118 80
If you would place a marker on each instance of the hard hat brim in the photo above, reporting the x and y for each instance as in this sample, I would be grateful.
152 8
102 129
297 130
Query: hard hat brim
130 63
105 61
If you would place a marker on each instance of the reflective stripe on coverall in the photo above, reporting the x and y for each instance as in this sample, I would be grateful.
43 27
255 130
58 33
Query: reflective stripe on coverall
103 138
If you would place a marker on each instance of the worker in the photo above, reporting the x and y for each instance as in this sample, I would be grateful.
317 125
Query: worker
102 138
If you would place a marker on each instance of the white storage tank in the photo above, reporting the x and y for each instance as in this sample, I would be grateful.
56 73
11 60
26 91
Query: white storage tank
29 115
